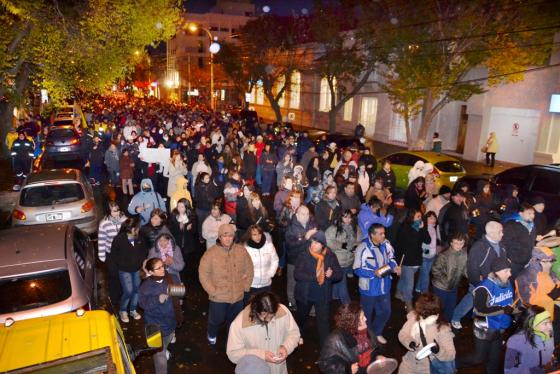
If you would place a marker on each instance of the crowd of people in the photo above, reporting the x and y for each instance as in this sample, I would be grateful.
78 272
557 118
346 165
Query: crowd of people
268 205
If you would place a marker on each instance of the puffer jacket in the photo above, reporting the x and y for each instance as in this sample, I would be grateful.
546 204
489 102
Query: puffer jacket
265 261
150 233
181 191
449 267
366 218
410 333
226 273
178 261
342 243
523 358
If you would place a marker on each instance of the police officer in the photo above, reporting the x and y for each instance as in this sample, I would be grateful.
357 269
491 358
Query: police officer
22 156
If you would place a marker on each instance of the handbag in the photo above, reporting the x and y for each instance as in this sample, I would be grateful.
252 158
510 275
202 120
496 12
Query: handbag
436 365
484 148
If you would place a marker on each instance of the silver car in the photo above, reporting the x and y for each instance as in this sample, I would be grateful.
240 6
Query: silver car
54 196
45 270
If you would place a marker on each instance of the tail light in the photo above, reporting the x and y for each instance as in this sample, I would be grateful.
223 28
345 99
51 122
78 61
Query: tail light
435 173
74 141
19 215
87 206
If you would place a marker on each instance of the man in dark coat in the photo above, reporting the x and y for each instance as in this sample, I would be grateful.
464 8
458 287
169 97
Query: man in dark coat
519 238
455 218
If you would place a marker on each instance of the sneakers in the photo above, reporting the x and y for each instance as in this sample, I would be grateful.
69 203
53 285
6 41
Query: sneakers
381 340
456 325
173 339
211 340
134 314
167 354
124 317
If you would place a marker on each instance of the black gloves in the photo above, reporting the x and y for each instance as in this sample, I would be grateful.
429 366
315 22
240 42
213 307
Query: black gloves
508 309
435 349
413 346
555 293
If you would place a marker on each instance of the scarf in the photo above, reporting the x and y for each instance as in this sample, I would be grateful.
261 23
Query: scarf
256 245
166 251
320 269
527 224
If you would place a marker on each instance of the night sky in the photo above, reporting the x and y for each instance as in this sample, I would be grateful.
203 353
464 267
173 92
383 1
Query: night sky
283 7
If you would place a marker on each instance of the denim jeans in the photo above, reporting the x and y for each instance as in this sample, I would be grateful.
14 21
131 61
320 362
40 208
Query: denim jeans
487 351
448 301
267 180
220 313
130 283
464 306
160 357
340 288
382 307
291 284
114 177
423 283
406 282
322 318
258 175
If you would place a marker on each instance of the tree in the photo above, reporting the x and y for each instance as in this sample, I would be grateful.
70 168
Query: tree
341 59
428 49
269 51
76 47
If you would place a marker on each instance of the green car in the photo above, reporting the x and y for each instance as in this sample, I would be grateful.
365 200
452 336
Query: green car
447 169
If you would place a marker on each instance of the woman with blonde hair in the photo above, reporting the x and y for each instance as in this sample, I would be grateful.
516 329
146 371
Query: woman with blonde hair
176 169
491 148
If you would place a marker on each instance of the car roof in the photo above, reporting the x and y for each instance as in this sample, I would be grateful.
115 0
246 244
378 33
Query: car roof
53 175
31 249
432 157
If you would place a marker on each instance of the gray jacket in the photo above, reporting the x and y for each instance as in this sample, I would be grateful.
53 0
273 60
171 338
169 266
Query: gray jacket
448 269
342 245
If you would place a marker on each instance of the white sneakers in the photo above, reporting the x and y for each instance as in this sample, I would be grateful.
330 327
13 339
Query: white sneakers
124 316
134 314
456 325
381 339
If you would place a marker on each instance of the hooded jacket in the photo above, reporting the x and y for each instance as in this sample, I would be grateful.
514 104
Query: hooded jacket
210 228
366 218
416 171
148 200
522 358
295 238
178 262
181 191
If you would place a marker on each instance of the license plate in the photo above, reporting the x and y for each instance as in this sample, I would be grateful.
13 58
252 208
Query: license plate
54 216
453 179
64 149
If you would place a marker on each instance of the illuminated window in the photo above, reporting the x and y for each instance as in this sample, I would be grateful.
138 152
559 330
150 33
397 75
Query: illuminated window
258 93
348 109
295 90
277 87
325 95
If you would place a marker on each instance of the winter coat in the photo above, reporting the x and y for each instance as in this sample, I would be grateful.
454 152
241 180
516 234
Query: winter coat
279 199
184 237
108 229
226 273
247 337
348 202
410 333
249 168
150 233
174 172
342 243
205 195
492 145
295 238
210 228
268 161
533 286
416 171
126 166
522 358
147 200
200 167
519 242
161 314
265 261
389 179
112 160
178 262
435 204
327 213
305 275
412 198
370 257
181 191
409 244
455 220
313 176
366 218
480 259
340 351
97 156
128 257
306 159
282 170
448 269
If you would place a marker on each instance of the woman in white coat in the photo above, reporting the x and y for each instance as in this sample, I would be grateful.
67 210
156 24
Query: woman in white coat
176 169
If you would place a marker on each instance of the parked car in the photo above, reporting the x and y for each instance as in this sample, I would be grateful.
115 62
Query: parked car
80 342
46 162
63 142
55 196
342 141
447 169
45 270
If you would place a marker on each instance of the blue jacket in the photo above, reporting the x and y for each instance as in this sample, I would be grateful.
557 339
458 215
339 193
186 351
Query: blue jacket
497 296
148 200
154 311
369 258
306 278
366 218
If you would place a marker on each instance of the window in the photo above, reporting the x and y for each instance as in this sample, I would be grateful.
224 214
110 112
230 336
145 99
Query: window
397 131
368 114
516 176
50 194
281 82
325 95
258 93
295 90
546 182
348 109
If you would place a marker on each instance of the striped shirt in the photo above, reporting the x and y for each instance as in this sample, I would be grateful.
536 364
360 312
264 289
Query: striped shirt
108 229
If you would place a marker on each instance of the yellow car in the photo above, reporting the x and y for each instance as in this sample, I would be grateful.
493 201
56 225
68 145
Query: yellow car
447 169
68 343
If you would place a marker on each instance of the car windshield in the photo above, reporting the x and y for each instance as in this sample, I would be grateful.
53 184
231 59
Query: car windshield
54 163
34 291
63 122
51 194
450 167
61 133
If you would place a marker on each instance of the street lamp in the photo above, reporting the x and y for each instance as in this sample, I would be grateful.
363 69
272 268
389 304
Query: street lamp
213 49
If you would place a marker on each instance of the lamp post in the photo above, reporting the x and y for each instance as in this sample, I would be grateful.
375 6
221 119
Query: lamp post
213 49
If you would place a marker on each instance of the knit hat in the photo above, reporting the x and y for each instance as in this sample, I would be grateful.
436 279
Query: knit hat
251 364
444 189
319 237
536 200
543 253
225 229
501 263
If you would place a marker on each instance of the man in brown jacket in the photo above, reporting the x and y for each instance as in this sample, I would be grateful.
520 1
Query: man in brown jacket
225 272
